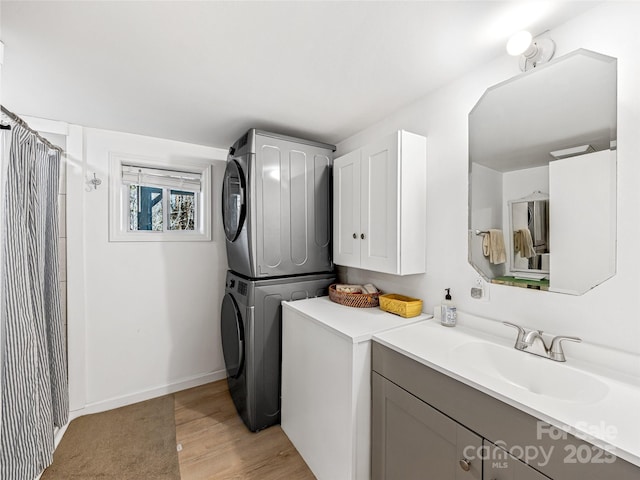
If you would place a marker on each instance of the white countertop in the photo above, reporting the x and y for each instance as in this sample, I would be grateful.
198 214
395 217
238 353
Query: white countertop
354 324
611 422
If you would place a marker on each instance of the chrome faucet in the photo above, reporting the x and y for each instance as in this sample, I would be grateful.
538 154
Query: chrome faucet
531 341
534 343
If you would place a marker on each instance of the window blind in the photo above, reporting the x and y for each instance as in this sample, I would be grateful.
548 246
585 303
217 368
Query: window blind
156 177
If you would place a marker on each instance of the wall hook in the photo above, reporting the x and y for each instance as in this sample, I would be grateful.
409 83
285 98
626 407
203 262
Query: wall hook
95 181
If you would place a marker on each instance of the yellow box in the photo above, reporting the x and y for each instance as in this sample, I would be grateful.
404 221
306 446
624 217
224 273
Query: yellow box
406 307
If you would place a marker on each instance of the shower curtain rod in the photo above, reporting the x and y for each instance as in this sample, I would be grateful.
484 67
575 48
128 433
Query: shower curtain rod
24 124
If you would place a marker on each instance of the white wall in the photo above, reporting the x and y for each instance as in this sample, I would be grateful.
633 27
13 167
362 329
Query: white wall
487 214
144 316
522 183
606 315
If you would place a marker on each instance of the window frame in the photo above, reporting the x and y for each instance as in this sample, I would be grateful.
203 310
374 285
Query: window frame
119 200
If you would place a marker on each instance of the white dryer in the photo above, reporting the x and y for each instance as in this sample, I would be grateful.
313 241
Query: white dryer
276 205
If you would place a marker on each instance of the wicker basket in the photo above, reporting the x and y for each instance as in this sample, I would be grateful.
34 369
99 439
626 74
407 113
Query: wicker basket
406 307
358 300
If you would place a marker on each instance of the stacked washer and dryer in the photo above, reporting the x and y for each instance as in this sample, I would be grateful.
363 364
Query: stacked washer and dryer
276 210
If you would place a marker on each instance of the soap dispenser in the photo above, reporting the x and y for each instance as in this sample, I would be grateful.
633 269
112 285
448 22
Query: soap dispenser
448 314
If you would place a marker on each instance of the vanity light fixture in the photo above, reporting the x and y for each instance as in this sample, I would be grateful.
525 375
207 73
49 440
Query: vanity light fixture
532 51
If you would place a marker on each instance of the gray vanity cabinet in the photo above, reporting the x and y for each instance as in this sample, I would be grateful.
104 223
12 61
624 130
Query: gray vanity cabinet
424 423
499 465
412 440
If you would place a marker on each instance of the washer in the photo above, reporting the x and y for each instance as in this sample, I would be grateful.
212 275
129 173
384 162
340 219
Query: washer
276 205
251 328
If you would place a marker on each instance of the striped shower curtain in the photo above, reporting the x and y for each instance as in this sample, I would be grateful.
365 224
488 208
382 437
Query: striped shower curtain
34 369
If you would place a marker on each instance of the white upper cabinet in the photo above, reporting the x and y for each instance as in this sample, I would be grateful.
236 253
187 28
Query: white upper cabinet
346 209
379 205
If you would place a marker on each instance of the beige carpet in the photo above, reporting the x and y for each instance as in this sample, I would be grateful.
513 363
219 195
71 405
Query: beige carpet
136 442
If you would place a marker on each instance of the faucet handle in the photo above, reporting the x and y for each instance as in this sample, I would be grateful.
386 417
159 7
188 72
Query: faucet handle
521 333
521 330
555 351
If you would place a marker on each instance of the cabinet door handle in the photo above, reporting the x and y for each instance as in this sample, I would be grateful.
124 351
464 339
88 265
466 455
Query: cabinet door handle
355 236
362 236
465 464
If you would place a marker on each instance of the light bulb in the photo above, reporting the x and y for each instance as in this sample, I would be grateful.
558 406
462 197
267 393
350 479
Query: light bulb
519 43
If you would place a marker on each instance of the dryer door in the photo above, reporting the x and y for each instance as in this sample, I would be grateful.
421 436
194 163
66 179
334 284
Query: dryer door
233 200
232 332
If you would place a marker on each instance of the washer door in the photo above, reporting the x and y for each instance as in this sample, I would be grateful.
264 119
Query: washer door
232 336
233 200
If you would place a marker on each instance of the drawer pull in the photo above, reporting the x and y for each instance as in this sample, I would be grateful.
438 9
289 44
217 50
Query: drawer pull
355 236
362 236
465 464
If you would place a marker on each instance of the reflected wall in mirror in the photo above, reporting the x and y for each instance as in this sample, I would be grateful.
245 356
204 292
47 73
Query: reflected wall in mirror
551 131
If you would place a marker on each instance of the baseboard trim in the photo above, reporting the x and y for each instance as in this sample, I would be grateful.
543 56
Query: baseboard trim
125 400
58 433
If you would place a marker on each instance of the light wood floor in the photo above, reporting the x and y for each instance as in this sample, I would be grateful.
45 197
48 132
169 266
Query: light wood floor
217 445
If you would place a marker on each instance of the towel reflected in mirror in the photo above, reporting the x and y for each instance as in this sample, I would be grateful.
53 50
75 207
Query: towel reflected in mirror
493 246
523 244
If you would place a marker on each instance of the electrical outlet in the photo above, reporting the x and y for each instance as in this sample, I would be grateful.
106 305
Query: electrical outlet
480 290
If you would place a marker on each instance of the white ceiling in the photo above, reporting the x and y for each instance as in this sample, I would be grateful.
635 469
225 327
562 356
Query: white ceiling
206 71
568 102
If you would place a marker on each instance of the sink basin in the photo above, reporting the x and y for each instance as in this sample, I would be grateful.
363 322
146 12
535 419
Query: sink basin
535 374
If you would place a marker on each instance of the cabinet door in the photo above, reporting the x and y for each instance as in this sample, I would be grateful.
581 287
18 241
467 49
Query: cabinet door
379 211
411 440
499 465
346 210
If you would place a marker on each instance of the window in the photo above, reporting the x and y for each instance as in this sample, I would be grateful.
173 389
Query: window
153 203
159 200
